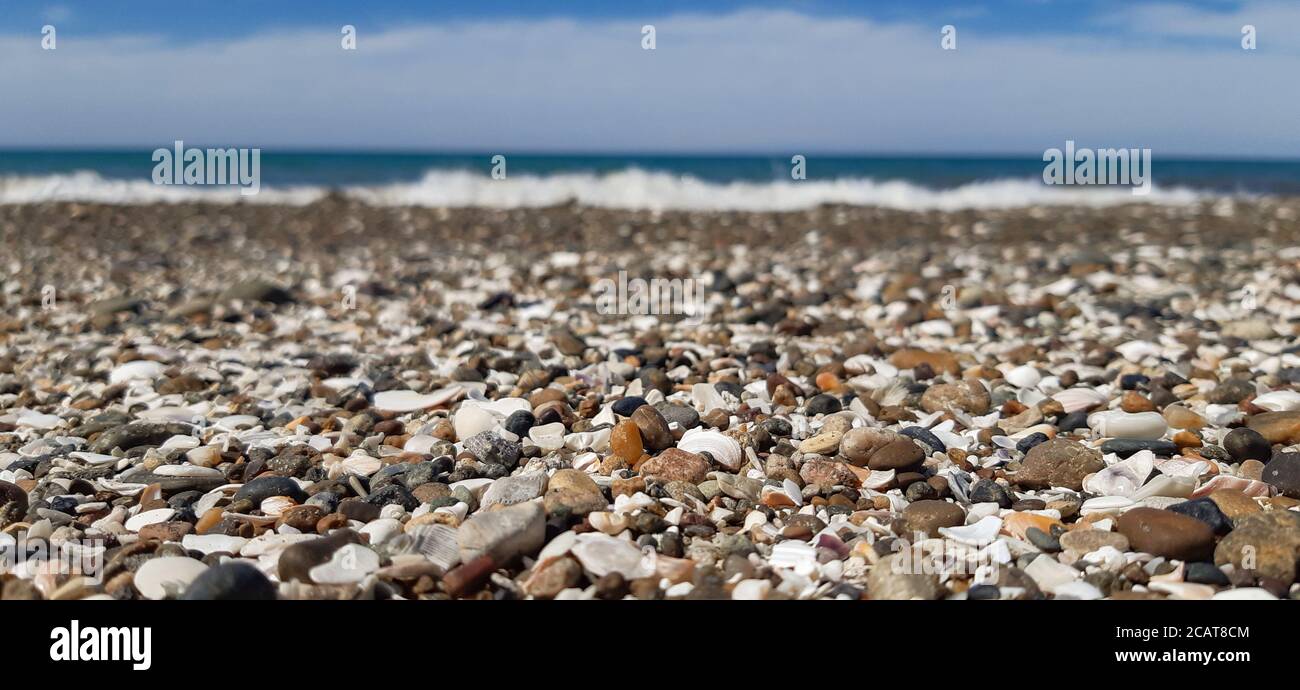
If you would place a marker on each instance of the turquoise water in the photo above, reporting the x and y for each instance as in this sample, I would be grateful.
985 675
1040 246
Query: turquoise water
327 169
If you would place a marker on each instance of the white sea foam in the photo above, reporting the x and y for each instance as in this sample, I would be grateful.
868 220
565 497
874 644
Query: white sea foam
629 189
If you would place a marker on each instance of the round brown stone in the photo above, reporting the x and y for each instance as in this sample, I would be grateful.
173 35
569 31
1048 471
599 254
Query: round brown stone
1166 533
1058 462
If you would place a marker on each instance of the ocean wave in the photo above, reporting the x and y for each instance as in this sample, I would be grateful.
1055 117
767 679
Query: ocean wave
627 189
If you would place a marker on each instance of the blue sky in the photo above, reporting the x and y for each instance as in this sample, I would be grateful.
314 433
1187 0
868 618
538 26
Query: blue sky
727 76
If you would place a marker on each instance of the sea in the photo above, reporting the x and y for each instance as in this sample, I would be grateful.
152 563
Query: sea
633 181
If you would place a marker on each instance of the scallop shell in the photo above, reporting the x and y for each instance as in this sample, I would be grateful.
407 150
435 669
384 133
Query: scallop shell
723 448
1077 399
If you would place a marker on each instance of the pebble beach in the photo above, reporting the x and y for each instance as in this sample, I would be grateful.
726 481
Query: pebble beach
344 401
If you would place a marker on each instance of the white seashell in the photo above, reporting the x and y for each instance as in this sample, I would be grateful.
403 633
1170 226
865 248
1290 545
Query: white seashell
149 517
168 413
1050 574
1183 590
1222 415
351 563
501 408
339 383
410 401
1163 486
1278 401
978 534
37 420
235 422
138 370
1137 350
609 523
707 398
1139 425
751 590
1178 467
212 543
1250 487
1123 478
360 464
1106 504
876 480
795 555
382 530
1077 399
187 471
275 506
94 458
792 490
723 448
548 437
160 577
601 554
471 420
419 443
182 442
595 440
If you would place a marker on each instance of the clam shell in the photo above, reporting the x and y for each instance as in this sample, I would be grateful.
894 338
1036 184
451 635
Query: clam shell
363 465
723 448
548 437
276 505
149 517
1123 478
1023 377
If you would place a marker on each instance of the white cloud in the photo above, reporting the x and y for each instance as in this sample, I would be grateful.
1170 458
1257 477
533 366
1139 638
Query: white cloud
755 80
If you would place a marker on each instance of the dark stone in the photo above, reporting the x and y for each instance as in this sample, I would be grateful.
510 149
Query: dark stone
298 559
685 417
1283 472
989 491
489 447
822 404
138 434
1205 574
729 387
1247 444
1231 391
1131 382
358 509
1072 421
626 406
1125 447
265 487
983 593
926 437
1027 443
393 494
519 422
1206 511
1044 541
230 581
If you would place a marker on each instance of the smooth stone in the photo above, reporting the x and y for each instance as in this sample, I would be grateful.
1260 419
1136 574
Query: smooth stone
828 473
925 436
1206 574
676 465
1124 447
138 434
297 560
901 454
928 516
1247 444
1206 511
231 581
1283 472
655 434
1088 540
893 578
503 534
1277 427
1267 544
265 487
514 489
989 491
1235 505
157 578
518 423
968 396
1058 462
822 404
1166 533
684 417
625 441
624 407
